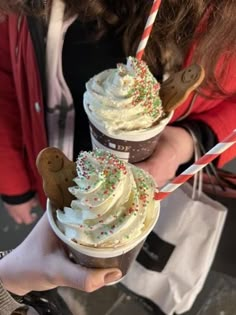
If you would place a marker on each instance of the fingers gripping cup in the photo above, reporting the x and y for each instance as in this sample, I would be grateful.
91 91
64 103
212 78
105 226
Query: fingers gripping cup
112 212
125 110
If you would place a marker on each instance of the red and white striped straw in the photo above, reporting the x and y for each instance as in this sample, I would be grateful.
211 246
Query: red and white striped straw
148 29
197 166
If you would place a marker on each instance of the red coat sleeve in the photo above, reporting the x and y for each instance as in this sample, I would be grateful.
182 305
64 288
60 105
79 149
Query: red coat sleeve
222 120
14 179
220 115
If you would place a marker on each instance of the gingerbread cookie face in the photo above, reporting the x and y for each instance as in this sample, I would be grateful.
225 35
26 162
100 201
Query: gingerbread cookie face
57 172
175 90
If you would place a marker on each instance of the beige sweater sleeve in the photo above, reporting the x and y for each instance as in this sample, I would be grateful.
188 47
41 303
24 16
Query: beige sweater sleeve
7 304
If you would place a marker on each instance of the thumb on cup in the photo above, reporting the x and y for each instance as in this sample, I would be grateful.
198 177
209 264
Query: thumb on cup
85 279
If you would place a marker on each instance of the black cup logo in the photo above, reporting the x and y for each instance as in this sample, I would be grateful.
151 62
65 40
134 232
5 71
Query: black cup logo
137 150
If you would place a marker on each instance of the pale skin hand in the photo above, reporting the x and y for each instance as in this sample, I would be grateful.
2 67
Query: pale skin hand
175 147
40 263
22 213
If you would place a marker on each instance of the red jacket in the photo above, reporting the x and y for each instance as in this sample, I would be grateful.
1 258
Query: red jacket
22 125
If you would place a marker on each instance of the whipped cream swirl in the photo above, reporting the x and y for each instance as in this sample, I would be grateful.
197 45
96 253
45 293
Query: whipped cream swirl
113 201
124 99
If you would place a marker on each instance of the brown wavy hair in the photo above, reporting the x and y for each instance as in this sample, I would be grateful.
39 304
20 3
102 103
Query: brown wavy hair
176 27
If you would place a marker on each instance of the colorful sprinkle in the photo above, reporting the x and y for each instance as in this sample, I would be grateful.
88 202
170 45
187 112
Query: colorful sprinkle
104 173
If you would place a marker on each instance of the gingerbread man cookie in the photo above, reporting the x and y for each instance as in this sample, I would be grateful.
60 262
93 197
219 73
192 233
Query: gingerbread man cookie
175 90
57 172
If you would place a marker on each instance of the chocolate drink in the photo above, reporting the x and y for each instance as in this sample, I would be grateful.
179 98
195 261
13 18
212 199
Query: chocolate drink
113 211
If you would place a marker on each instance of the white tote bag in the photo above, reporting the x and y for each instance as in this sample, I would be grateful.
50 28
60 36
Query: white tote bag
172 267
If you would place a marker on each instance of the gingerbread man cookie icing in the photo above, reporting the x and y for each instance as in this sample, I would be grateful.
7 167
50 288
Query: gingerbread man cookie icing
175 90
57 172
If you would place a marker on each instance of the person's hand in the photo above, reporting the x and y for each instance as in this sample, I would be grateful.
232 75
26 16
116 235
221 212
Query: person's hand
40 263
22 213
175 147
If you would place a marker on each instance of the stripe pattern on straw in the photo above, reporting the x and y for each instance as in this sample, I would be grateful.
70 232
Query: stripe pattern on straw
148 29
197 166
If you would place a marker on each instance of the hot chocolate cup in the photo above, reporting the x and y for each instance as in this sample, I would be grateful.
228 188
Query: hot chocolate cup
120 257
132 146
